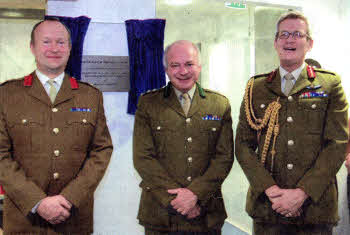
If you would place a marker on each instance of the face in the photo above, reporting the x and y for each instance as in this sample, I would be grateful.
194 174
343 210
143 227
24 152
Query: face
183 68
292 51
51 48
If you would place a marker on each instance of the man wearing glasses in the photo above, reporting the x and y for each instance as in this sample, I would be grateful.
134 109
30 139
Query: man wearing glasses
291 139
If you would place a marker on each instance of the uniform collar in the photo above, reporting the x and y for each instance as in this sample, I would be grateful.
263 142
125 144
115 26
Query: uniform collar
296 73
43 78
190 93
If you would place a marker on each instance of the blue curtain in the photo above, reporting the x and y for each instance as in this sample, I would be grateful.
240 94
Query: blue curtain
145 44
78 27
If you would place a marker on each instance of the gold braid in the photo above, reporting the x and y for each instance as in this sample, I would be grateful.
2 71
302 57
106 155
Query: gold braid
270 118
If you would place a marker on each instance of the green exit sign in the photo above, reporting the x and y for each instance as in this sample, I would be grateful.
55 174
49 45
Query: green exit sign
236 5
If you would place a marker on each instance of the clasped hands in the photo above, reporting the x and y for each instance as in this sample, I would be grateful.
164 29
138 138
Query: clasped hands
185 202
55 209
286 202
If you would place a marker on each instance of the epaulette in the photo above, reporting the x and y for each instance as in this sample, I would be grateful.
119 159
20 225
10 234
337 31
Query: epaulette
10 80
269 76
151 91
324 71
87 83
214 92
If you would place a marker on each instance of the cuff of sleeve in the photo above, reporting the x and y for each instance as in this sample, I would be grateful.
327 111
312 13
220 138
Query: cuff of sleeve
34 209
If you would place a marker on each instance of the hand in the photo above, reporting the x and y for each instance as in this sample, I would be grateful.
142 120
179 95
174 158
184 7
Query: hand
296 214
184 201
289 202
194 212
54 209
347 162
273 192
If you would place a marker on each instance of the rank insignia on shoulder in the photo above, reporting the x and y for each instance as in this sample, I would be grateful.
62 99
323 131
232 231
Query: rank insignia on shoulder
312 87
212 117
74 109
312 94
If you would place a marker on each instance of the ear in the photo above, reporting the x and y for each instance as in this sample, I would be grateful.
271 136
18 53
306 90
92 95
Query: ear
32 48
310 44
275 44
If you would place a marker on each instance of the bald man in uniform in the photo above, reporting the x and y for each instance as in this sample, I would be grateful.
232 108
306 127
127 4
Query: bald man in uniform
54 142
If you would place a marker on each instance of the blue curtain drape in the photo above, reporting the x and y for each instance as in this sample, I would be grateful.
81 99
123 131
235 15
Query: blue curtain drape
145 45
78 27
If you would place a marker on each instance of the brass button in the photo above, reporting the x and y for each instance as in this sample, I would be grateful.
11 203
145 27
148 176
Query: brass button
84 120
148 188
189 139
55 130
189 178
189 159
56 152
213 129
56 175
55 110
290 142
262 106
290 166
313 106
290 98
188 120
24 121
289 119
158 128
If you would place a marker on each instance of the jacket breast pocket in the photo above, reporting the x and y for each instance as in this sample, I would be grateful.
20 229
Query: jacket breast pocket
80 130
26 133
312 112
210 131
165 136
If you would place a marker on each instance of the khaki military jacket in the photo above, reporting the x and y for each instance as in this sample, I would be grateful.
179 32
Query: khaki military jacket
49 149
174 151
310 147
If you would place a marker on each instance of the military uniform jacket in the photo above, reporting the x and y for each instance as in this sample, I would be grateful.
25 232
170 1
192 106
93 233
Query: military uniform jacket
310 147
49 149
174 151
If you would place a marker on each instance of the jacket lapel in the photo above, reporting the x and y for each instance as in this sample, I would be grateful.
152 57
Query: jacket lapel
195 103
173 102
302 82
65 93
37 90
275 84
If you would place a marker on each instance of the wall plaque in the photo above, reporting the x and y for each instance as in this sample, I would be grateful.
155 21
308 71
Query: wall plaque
107 73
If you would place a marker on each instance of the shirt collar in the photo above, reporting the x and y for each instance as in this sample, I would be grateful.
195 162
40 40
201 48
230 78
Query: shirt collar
190 92
43 78
296 73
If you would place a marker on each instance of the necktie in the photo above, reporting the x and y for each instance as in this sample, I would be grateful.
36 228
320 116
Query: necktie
52 91
186 103
289 83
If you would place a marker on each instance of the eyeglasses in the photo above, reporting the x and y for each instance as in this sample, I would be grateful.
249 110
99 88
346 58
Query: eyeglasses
295 35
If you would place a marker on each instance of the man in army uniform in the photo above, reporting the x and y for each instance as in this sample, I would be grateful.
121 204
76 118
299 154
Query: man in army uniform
291 139
183 150
54 142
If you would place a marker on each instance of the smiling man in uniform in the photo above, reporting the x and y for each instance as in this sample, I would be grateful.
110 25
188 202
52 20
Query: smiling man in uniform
291 139
183 150
54 142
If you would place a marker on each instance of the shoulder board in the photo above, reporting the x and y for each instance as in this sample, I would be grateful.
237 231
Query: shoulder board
87 83
261 75
151 91
324 71
214 92
10 80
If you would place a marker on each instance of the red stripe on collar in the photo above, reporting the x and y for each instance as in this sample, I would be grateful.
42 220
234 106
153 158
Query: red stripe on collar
310 72
73 83
28 80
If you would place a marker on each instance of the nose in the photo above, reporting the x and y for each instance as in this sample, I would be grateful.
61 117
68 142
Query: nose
54 46
183 69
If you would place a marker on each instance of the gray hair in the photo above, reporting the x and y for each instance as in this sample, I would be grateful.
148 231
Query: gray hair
293 15
165 59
